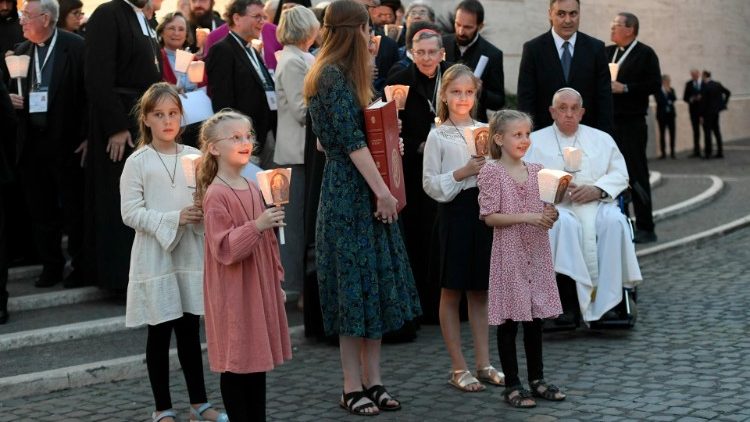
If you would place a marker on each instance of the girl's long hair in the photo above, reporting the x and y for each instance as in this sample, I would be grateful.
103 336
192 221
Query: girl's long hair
209 134
451 74
148 102
345 47
499 124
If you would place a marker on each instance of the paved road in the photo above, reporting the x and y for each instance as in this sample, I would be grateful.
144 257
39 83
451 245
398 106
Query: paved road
685 360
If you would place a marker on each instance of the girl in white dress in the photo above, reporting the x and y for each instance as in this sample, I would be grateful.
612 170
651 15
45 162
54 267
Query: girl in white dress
165 288
449 177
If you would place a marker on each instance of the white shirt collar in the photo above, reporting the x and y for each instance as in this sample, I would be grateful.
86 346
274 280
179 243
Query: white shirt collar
463 48
559 42
142 21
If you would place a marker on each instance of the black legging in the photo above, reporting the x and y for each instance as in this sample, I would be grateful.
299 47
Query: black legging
186 331
532 343
244 396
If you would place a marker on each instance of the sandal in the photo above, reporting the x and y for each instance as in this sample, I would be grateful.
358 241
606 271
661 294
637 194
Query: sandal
196 414
157 416
540 388
349 401
519 397
462 379
381 397
491 375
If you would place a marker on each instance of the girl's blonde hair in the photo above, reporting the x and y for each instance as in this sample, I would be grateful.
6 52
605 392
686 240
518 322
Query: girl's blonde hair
156 93
454 72
499 124
345 47
209 164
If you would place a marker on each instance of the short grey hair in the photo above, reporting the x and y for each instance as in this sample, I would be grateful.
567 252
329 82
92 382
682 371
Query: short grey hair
419 3
562 91
426 34
296 25
50 7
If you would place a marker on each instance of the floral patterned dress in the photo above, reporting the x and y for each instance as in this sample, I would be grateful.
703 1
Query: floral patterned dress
365 281
522 278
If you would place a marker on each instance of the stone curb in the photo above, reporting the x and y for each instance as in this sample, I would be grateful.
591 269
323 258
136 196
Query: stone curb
691 203
56 298
94 373
59 333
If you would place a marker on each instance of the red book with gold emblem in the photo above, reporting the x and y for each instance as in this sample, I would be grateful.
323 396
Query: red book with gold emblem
381 131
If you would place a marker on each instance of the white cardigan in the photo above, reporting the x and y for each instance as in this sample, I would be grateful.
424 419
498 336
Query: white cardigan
166 262
290 132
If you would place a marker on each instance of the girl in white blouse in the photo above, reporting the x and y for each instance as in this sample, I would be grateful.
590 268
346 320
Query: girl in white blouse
465 242
165 286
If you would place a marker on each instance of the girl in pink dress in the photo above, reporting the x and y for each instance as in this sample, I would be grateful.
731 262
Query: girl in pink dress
522 285
246 325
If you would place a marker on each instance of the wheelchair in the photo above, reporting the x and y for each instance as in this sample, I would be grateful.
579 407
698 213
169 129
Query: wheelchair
623 316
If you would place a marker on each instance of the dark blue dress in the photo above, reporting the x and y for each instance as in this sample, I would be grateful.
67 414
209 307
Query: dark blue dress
366 285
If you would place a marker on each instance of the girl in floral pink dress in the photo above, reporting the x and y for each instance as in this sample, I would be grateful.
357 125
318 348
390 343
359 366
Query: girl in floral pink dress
522 285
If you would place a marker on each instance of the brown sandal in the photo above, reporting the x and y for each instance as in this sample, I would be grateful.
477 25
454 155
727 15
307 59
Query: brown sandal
519 397
551 392
491 375
462 379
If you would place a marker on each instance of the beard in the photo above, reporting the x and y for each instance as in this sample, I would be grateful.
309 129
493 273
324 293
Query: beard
464 41
138 3
203 20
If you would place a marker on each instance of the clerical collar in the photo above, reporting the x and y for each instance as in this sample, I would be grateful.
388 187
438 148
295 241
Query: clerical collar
46 42
625 47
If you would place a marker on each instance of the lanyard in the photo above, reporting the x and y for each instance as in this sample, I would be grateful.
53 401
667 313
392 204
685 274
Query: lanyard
435 91
254 61
37 68
624 55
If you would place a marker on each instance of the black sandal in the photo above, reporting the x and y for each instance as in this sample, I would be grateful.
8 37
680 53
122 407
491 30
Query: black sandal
349 400
381 397
550 392
519 400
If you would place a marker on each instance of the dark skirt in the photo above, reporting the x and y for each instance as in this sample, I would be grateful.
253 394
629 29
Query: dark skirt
465 243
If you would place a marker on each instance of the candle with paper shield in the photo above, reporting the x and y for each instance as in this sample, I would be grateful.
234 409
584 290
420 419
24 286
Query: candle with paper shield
182 60
572 157
190 164
275 187
613 68
196 70
18 67
200 36
257 45
552 185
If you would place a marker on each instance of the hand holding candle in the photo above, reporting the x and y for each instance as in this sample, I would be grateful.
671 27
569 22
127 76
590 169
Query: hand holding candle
572 157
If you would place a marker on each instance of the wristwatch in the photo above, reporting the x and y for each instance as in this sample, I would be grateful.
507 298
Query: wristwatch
603 194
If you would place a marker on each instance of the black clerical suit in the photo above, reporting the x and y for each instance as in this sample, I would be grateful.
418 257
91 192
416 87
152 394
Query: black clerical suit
541 74
640 72
121 64
49 169
384 61
234 82
8 134
418 218
492 94
693 97
716 98
665 117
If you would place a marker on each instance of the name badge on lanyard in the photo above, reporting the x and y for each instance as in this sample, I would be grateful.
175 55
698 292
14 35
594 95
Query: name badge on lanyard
38 101
271 98
38 97
273 104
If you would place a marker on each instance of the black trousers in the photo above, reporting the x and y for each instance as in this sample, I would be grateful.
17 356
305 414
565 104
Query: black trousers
667 124
3 256
631 137
532 344
244 396
695 122
186 331
711 125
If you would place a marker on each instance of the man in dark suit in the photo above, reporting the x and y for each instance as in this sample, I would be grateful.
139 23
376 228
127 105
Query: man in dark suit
468 47
122 61
715 100
692 96
202 15
52 126
8 134
237 77
638 77
666 115
543 69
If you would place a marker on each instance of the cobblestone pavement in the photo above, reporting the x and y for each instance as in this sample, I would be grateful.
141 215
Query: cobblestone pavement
685 360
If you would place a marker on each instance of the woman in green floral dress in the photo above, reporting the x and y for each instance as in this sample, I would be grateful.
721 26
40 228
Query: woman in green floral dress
366 284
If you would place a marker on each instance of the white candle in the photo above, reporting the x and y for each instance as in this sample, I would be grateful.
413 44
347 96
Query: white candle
572 157
196 70
552 185
189 164
182 60
613 68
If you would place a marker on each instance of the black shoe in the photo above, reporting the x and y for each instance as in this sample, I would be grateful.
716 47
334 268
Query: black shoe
49 278
610 315
75 279
705 157
643 236
719 155
663 157
3 315
673 156
695 155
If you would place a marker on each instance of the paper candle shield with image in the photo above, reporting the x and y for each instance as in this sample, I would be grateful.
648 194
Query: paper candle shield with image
190 163
274 185
552 185
397 93
478 141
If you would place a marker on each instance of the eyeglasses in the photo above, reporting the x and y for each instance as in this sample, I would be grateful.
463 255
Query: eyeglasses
78 13
240 139
418 13
259 17
426 53
25 17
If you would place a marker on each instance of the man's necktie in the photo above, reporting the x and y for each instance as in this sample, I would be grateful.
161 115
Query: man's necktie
566 58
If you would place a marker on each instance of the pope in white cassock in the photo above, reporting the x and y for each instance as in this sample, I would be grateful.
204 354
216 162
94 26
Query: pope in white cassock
591 241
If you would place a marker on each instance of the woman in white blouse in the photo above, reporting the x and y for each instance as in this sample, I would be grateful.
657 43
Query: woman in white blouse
449 177
297 31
